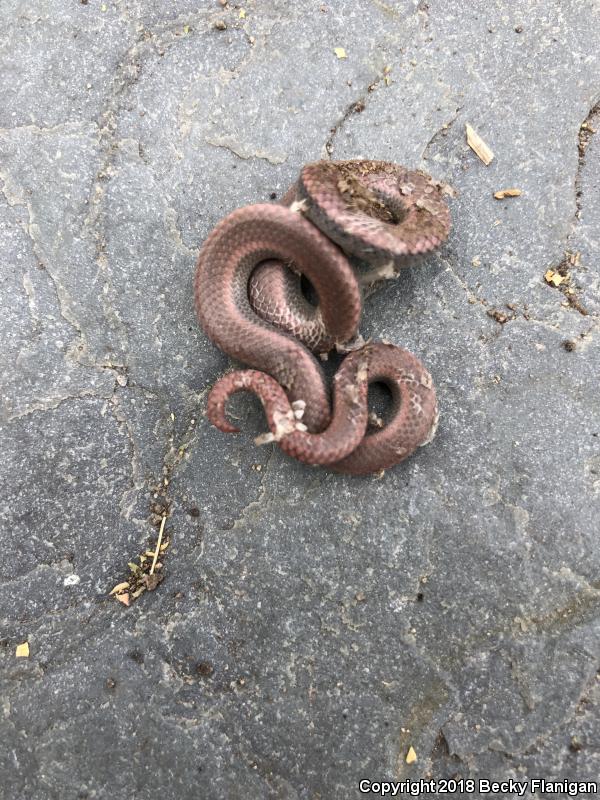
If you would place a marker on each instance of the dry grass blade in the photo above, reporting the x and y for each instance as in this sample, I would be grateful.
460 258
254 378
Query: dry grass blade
120 587
157 551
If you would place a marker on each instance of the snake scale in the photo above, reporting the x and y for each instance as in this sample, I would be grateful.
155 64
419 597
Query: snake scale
249 301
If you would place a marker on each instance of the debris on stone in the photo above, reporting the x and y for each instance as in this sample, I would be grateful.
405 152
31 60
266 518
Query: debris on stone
205 668
500 316
145 575
560 278
220 25
575 746
586 131
507 193
479 147
574 302
151 581
447 189
555 278
22 650
123 597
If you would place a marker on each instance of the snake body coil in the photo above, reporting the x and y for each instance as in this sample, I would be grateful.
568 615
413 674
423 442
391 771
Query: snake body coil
249 302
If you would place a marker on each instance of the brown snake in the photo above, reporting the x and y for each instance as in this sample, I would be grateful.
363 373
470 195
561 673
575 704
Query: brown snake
251 305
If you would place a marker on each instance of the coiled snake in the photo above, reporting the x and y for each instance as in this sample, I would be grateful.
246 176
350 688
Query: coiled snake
250 304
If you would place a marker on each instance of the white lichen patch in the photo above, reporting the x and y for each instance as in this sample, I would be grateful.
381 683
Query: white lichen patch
356 343
385 272
426 380
284 423
298 407
299 206
433 429
264 438
352 394
362 373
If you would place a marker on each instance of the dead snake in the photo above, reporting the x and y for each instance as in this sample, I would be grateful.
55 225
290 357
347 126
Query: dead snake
251 305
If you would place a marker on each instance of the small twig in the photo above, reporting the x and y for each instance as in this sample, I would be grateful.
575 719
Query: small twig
157 551
477 144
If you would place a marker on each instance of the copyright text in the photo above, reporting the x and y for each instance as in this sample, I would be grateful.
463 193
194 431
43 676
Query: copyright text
470 786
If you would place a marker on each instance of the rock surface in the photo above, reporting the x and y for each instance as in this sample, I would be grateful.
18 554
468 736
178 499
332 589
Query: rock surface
310 627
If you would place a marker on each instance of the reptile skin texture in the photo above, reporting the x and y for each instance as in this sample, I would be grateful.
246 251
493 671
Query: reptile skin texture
249 301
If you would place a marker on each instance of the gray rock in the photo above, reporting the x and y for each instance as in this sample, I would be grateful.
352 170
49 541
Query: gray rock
311 627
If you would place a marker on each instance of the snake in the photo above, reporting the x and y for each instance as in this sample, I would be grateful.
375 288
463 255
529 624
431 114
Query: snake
249 301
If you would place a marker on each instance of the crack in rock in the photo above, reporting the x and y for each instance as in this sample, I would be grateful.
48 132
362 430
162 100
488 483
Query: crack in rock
51 403
355 107
260 501
570 260
244 150
15 198
443 131
586 131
